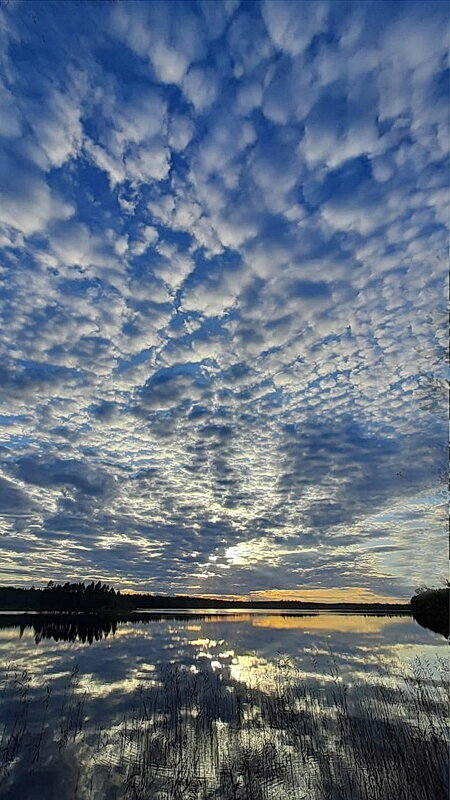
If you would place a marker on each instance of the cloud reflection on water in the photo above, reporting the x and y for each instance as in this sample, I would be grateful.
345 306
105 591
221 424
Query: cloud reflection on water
218 693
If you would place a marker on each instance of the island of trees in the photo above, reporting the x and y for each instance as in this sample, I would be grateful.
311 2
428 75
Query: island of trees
430 607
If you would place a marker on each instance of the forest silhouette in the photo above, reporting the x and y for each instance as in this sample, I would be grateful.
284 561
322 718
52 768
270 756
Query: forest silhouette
99 597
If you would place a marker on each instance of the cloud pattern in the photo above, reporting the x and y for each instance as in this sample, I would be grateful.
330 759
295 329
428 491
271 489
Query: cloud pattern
223 236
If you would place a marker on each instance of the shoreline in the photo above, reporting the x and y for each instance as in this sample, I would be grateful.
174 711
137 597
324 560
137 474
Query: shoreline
134 614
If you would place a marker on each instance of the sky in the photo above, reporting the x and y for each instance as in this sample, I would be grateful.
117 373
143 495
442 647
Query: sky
223 296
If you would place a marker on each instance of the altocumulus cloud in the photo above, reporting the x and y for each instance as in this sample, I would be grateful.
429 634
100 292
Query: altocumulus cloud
223 233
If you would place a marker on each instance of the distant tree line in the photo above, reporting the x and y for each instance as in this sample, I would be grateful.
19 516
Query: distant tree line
430 607
99 597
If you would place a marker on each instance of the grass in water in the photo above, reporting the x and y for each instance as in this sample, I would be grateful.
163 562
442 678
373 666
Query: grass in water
202 736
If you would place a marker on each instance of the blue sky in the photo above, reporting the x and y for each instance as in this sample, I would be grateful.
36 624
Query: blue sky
223 232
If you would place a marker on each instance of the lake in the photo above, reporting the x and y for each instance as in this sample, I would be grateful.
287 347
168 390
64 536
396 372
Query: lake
222 706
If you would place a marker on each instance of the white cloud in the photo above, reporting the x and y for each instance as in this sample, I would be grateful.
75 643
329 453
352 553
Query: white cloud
181 131
147 235
200 87
27 203
175 266
249 97
133 143
57 131
140 119
249 44
114 167
170 41
10 118
170 65
291 25
150 162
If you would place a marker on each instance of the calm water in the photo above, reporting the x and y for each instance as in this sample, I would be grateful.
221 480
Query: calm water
213 707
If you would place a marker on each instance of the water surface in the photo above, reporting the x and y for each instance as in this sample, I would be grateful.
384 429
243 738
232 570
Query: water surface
214 706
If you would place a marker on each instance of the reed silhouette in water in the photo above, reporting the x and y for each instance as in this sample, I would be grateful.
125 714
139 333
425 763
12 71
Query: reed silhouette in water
190 735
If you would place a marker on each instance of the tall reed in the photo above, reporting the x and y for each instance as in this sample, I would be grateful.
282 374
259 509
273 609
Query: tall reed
204 736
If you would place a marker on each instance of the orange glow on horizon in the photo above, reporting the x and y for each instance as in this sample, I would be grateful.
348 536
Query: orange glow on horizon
345 594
